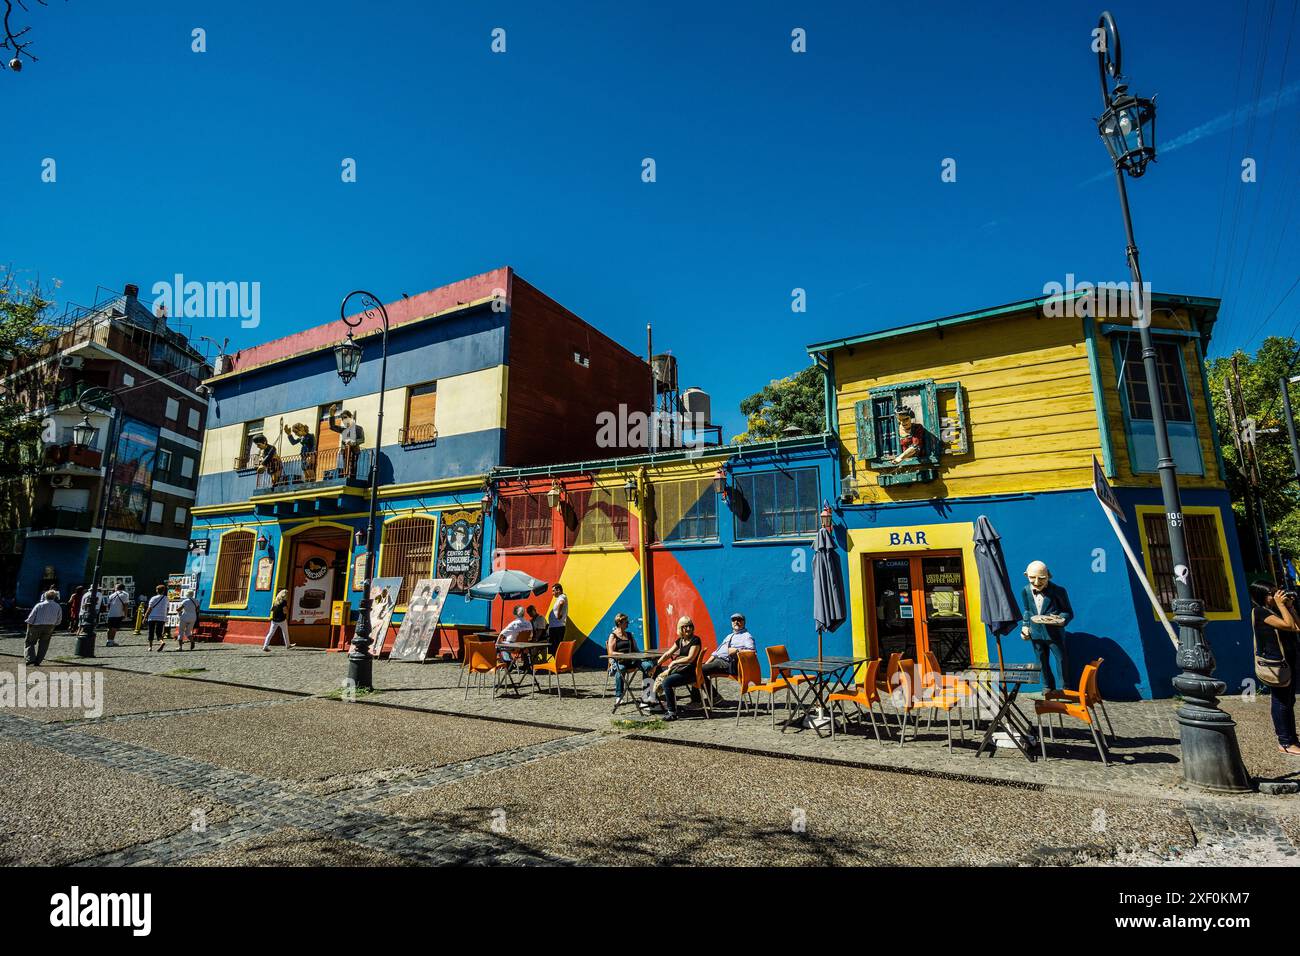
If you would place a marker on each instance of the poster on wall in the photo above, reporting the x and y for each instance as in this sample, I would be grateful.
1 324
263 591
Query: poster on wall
129 491
311 598
359 572
460 548
421 621
264 568
383 598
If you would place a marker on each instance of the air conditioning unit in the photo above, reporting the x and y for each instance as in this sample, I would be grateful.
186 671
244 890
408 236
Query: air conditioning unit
61 481
71 361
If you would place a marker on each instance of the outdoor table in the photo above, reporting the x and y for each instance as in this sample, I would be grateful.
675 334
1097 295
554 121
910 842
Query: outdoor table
824 676
1003 685
632 657
511 671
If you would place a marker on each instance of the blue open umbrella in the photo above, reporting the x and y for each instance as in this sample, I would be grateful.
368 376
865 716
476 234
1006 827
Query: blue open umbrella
508 585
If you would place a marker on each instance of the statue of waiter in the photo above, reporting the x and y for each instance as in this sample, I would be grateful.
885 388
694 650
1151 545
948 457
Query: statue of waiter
351 438
1046 612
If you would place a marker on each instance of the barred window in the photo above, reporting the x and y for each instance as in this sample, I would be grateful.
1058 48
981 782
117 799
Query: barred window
686 511
234 568
1209 571
599 517
777 503
525 522
407 553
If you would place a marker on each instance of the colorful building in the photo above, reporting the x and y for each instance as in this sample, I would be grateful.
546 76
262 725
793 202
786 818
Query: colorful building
1014 403
702 532
482 373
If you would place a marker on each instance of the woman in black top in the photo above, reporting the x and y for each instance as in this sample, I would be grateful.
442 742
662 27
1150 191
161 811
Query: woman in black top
680 661
621 641
1273 615
279 620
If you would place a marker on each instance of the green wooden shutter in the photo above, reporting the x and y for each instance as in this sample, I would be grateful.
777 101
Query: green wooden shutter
954 431
866 426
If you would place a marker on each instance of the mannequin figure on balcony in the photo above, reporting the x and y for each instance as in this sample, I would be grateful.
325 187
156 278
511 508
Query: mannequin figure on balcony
911 437
268 462
300 435
351 438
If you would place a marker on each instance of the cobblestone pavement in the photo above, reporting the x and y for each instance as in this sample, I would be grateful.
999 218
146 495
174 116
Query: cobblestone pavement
277 786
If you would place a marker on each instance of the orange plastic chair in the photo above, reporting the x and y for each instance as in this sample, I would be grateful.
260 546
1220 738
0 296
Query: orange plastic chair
1080 708
480 660
929 699
1094 702
750 677
866 695
777 655
934 677
561 663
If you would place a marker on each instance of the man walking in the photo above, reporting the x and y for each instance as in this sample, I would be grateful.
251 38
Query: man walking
726 658
41 623
1047 611
118 604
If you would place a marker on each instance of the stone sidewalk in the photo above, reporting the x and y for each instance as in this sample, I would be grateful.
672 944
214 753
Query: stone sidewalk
1144 759
182 768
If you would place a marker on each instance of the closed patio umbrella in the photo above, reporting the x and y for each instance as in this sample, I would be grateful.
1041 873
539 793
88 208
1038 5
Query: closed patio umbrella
508 585
828 587
999 609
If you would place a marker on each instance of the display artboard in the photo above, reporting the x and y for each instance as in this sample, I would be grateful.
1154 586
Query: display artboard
421 621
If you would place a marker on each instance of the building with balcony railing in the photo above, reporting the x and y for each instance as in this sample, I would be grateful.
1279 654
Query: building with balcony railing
120 345
482 373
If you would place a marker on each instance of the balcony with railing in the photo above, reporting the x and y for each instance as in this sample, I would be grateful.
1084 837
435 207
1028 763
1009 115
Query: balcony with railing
417 435
320 469
70 453
56 518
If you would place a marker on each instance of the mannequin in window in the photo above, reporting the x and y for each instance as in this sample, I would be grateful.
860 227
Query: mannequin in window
351 438
911 437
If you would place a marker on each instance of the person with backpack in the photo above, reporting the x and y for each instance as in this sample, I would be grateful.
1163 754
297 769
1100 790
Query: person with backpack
119 605
155 616
1273 616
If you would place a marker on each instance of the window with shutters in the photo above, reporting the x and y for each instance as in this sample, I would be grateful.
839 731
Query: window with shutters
407 552
1175 401
939 421
421 405
686 511
1211 572
776 504
524 521
598 516
234 569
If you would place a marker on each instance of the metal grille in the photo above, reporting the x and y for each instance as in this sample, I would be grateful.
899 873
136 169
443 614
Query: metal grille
598 518
686 511
234 567
1209 577
408 553
526 522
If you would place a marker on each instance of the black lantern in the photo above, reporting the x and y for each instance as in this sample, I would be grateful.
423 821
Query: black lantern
83 433
1128 128
630 491
347 356
720 481
486 500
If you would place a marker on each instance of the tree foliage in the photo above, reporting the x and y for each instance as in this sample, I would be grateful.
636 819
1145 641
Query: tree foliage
797 400
1278 490
24 329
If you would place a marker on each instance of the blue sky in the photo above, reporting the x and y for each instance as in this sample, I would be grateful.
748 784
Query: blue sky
775 170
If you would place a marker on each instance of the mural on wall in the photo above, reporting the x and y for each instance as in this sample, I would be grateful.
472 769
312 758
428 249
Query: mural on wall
383 598
421 621
313 583
460 548
128 504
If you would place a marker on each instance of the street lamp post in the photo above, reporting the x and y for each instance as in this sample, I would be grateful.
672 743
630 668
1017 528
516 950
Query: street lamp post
95 400
347 356
1211 756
